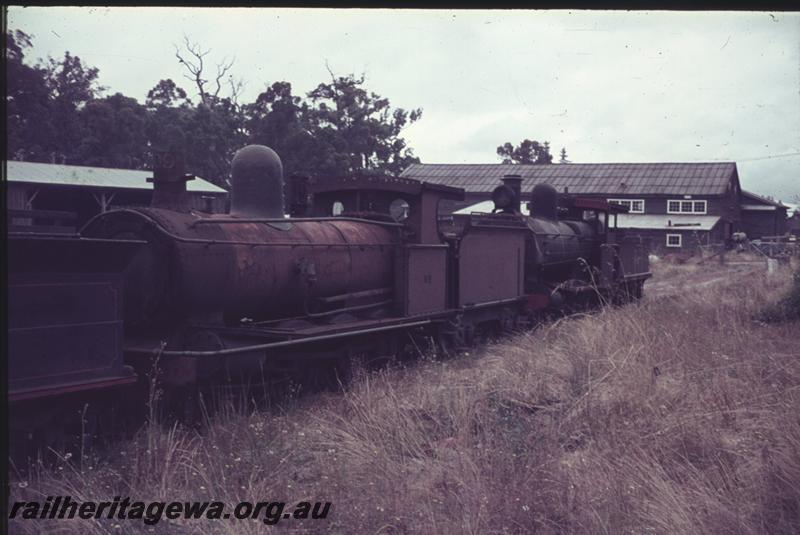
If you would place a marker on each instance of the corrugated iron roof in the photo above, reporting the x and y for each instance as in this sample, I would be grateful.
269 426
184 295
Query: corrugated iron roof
586 178
95 177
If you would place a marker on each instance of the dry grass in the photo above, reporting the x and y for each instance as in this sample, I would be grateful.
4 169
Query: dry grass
676 415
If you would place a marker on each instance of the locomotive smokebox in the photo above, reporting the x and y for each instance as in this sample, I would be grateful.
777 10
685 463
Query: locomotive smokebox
544 202
257 176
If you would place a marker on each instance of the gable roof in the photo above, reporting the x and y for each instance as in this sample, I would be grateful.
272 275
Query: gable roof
95 177
586 178
751 198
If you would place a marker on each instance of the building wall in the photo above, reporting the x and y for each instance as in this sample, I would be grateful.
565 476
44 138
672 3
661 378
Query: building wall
793 224
759 223
724 206
16 197
691 240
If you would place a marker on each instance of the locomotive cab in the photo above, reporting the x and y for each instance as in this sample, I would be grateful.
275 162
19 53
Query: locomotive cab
421 259
408 202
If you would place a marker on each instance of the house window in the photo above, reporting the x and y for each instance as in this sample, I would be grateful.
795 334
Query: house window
634 206
673 240
687 207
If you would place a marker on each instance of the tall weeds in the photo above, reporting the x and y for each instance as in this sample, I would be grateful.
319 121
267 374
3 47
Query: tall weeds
675 415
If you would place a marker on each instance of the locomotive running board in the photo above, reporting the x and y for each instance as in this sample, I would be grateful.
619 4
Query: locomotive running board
344 332
68 388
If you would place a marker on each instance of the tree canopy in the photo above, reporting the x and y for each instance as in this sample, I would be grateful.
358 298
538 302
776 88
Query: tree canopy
527 152
58 112
30 130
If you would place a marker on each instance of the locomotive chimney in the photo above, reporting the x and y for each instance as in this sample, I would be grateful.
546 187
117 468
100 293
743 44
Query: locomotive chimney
514 183
169 182
544 202
257 183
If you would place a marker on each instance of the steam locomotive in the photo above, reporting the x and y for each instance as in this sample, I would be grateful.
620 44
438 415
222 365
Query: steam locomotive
363 267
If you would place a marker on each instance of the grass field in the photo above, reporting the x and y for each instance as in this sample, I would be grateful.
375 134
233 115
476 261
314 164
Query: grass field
679 414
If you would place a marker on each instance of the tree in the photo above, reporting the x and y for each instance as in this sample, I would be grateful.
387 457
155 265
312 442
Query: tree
193 60
71 82
216 126
166 93
213 136
207 136
57 113
71 86
528 152
281 120
169 112
114 133
563 156
359 128
339 129
45 103
31 133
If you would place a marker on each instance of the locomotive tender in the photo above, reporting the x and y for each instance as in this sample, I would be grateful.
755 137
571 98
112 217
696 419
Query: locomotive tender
363 267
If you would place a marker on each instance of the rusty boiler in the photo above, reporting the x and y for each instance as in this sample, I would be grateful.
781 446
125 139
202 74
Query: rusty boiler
254 263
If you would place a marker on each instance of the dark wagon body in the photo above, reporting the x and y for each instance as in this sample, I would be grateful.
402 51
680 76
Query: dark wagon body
65 315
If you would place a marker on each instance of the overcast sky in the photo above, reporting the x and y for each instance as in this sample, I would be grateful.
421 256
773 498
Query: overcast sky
608 86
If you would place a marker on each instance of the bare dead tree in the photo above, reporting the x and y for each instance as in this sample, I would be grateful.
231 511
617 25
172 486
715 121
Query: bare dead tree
222 70
236 87
193 60
330 71
195 67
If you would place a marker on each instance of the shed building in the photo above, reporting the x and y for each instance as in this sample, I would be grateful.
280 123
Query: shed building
793 220
61 198
762 217
676 205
